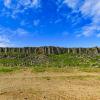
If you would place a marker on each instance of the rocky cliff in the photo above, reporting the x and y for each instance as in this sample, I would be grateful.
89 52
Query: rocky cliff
51 50
42 56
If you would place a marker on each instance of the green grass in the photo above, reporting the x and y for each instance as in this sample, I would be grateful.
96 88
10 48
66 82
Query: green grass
68 69
89 69
57 63
51 69
39 69
8 69
41 63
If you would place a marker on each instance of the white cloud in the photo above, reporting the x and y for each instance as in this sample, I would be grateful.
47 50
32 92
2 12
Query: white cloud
24 3
7 34
3 38
4 41
7 3
21 32
98 35
88 9
88 30
29 3
91 9
36 3
91 30
71 3
16 8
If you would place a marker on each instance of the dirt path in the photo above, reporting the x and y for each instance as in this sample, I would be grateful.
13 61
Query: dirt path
26 85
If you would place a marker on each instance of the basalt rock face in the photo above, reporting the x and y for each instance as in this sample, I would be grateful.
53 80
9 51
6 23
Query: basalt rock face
51 50
36 56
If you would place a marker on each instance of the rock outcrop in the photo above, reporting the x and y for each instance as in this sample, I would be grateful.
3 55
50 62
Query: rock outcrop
42 56
51 50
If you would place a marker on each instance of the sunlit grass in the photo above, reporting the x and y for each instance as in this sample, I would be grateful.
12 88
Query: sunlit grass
8 69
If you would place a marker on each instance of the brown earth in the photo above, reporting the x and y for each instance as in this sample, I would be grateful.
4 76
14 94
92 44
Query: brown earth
26 85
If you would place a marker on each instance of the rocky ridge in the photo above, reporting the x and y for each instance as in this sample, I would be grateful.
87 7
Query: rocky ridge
50 56
51 50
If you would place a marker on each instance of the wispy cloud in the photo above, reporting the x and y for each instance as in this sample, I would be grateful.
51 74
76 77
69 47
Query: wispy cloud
5 41
20 32
98 35
7 3
72 3
91 9
24 3
29 3
19 7
88 9
90 30
7 34
36 3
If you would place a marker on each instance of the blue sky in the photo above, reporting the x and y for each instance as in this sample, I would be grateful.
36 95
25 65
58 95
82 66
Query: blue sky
65 23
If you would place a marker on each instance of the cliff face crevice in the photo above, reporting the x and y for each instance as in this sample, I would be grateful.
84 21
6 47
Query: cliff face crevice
51 50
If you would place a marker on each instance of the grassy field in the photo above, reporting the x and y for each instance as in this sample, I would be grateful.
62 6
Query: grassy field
53 60
49 77
40 69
